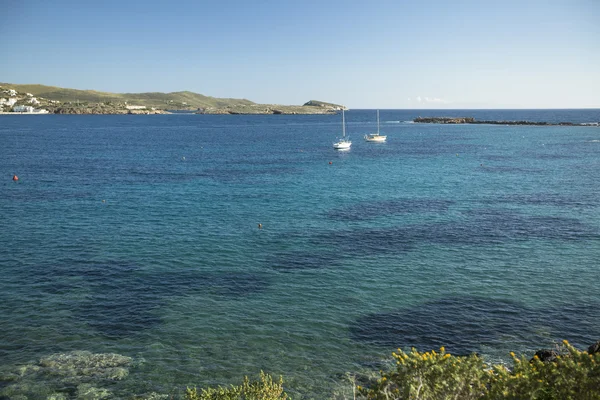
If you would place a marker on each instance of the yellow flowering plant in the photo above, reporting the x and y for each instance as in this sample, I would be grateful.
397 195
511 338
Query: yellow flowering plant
264 389
570 375
429 376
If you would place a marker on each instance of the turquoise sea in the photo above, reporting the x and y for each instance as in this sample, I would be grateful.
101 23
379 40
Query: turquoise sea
138 235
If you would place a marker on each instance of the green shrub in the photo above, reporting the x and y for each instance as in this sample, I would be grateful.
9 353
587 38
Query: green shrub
264 389
574 375
432 376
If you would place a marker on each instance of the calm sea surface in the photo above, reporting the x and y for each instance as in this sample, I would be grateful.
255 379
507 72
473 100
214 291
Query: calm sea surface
138 235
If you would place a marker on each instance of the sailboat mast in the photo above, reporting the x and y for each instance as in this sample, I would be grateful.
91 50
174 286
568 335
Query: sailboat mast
343 124
378 122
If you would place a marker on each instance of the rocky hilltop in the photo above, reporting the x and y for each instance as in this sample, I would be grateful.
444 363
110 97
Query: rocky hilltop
72 101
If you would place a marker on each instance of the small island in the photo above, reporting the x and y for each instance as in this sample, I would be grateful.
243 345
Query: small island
471 120
41 99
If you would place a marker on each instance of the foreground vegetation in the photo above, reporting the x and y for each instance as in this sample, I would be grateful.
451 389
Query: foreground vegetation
566 374
263 389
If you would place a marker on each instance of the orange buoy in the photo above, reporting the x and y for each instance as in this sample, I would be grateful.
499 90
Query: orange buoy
15 178
330 163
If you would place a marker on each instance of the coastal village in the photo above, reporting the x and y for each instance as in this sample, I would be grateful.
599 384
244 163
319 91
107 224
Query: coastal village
15 103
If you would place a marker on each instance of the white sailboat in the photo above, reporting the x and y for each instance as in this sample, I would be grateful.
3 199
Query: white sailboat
344 143
376 137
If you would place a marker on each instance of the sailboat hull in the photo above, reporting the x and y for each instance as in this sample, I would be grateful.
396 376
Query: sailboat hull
375 138
342 145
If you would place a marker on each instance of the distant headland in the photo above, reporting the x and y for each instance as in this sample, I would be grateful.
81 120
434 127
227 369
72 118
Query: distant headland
470 120
41 99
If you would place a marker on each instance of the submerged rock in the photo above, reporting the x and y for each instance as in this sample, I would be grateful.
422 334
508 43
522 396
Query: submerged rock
64 375
89 392
152 396
57 396
108 366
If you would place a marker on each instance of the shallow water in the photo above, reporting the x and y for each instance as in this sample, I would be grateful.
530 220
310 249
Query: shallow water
138 235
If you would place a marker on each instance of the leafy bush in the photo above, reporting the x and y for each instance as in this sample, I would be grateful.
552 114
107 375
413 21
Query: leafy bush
573 375
432 376
264 389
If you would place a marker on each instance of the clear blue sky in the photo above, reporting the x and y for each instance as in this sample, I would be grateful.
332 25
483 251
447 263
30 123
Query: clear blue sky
389 54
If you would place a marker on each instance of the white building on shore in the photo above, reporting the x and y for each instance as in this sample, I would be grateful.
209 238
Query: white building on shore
23 109
29 110
8 102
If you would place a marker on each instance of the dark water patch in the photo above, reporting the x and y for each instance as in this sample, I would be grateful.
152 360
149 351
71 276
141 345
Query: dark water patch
374 209
576 322
275 162
90 271
242 175
116 312
547 199
480 227
465 324
62 276
231 285
510 169
158 176
498 157
549 152
121 299
461 324
437 149
28 193
369 241
122 307
238 285
119 302
298 261
501 223
553 156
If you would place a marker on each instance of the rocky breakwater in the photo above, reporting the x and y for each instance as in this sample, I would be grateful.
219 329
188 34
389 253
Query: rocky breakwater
72 375
444 120
471 120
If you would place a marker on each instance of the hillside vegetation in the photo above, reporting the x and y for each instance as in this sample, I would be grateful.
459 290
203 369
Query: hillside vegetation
171 101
